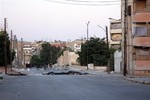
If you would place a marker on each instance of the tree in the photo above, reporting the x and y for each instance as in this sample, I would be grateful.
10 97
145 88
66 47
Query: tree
94 51
35 61
49 54
2 50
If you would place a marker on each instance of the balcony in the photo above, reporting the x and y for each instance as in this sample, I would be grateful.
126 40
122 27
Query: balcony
141 41
115 31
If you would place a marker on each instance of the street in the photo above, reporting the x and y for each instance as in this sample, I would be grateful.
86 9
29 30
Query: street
71 87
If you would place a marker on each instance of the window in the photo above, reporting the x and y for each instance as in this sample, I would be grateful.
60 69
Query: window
116 26
142 54
140 31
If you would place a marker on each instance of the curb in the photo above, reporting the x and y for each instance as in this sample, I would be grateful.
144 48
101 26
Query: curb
137 81
16 74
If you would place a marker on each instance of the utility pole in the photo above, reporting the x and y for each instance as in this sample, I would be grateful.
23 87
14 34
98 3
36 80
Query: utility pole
87 40
108 55
125 44
107 38
22 54
5 45
107 44
11 49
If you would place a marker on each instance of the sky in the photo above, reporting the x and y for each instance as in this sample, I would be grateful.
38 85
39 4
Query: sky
51 20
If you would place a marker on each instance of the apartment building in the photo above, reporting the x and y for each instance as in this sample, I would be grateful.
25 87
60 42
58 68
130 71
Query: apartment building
115 34
28 50
59 43
136 37
25 51
75 45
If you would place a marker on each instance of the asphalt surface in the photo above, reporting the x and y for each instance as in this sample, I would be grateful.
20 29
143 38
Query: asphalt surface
71 87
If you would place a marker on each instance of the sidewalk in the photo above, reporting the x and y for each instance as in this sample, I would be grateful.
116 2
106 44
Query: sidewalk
141 80
10 72
137 79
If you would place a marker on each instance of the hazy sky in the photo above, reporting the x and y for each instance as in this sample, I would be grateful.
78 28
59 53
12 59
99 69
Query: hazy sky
51 20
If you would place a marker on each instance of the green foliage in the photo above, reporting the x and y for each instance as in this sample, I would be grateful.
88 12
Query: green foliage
2 50
94 51
61 51
13 54
48 55
111 58
64 49
35 61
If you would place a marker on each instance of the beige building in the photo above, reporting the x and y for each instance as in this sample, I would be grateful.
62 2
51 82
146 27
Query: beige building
115 33
27 52
75 45
19 53
136 37
68 58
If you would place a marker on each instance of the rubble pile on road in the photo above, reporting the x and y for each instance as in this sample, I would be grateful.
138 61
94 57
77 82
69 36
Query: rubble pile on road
10 72
65 73
13 73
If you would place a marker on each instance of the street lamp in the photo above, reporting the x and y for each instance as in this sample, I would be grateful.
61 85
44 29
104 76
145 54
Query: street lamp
106 31
114 19
88 29
87 40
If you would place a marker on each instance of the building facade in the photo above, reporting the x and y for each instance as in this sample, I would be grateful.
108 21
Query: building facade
115 34
68 58
136 37
76 44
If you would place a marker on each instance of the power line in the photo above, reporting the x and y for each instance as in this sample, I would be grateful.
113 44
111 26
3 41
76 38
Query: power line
86 1
86 4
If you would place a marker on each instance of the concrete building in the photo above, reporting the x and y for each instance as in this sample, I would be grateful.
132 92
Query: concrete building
76 44
115 33
28 50
68 58
37 46
20 53
136 37
60 44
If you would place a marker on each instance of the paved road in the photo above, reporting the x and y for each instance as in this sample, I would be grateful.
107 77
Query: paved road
69 87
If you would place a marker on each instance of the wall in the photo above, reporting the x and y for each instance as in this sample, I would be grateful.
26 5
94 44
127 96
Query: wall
117 62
